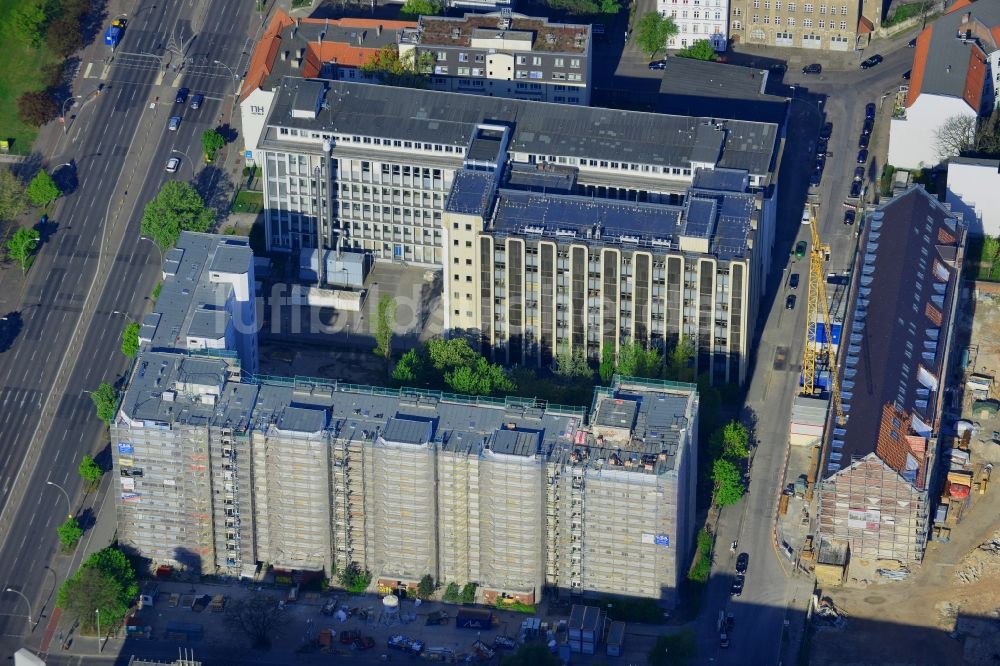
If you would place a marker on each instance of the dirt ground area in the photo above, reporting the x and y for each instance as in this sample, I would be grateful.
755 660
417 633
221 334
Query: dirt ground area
948 610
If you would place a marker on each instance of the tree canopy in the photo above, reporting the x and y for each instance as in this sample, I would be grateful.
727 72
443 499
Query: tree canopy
178 207
42 189
69 533
569 366
700 50
426 587
36 107
728 484
586 7
454 365
408 71
414 8
11 195
90 471
211 142
652 32
385 323
130 339
105 582
21 246
105 401
257 617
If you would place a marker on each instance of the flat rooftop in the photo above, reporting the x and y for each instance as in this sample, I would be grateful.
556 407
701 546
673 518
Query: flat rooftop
537 128
542 35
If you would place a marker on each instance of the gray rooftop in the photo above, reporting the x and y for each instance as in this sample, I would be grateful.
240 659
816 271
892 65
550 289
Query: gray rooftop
686 76
471 192
617 413
948 59
724 216
407 429
190 303
302 419
537 127
516 442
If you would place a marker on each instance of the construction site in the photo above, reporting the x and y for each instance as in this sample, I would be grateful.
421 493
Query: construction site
945 606
224 472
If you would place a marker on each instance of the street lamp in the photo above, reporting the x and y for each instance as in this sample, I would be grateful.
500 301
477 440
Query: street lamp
69 505
158 248
236 79
27 601
98 611
124 314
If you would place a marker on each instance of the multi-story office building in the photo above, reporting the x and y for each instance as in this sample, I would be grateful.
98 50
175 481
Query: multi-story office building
535 274
219 472
697 20
389 157
830 25
883 469
504 55
206 301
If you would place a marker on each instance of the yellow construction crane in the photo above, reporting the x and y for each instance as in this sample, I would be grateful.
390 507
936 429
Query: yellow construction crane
818 310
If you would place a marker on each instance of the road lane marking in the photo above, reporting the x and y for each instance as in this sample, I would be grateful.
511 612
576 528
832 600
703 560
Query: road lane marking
86 72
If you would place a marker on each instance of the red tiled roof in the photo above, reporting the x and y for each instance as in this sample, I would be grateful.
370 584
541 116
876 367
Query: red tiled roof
919 64
975 79
865 26
959 4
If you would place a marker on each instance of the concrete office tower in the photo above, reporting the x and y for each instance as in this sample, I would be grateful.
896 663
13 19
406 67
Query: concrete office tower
504 55
206 302
539 274
389 157
621 503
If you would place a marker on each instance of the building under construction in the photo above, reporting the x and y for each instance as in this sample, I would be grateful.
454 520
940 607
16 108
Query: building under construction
223 473
880 470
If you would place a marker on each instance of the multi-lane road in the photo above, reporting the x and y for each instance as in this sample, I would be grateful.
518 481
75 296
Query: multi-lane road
95 264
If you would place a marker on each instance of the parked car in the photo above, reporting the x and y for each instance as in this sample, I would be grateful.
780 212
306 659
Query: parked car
172 165
737 588
800 249
364 643
789 305
814 68
793 282
863 140
859 173
907 74
805 214
827 131
197 100
855 190
868 126
821 147
182 95
871 62
870 109
849 216
743 559
658 64
862 156
912 43
815 178
175 122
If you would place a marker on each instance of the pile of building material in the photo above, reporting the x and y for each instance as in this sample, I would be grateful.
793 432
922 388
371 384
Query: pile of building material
827 614
808 421
982 561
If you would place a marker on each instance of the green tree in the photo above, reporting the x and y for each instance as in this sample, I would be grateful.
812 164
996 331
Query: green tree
448 354
636 361
64 36
42 190
531 654
414 8
606 369
257 617
105 401
409 70
104 582
21 246
90 472
728 484
483 378
30 21
735 441
586 7
69 533
677 649
469 593
409 369
680 362
425 588
700 50
354 578
652 32
36 107
452 593
11 195
385 322
178 207
130 339
211 142
572 365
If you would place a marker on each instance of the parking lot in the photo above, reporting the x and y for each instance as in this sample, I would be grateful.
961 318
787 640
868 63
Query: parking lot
311 629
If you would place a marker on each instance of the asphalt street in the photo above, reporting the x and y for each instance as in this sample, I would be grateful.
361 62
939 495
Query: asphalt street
123 148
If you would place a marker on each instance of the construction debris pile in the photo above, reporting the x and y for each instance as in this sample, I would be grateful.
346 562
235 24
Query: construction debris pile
826 614
982 561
